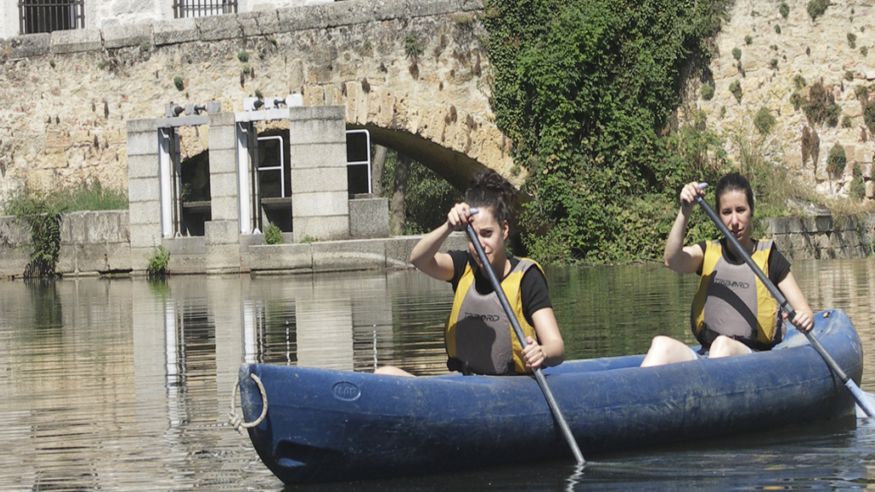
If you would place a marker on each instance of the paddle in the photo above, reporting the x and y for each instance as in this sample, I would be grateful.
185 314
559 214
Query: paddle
858 394
539 376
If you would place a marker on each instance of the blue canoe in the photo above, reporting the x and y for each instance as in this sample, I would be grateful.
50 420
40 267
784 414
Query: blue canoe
325 425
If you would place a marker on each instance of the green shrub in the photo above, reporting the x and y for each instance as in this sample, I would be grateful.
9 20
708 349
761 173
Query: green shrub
736 53
412 46
836 161
784 9
764 121
584 89
243 56
777 29
852 40
796 100
846 121
735 89
43 217
179 83
748 39
798 81
273 234
773 63
816 8
869 116
707 91
820 106
858 187
157 266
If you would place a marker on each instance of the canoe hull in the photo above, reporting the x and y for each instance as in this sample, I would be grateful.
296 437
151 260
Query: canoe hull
325 425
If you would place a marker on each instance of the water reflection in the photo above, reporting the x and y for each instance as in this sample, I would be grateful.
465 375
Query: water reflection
126 384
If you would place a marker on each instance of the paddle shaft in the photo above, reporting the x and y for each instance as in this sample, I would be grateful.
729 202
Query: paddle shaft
858 394
539 375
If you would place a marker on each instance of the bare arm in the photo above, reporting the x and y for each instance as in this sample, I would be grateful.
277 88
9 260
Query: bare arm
549 349
677 257
804 319
425 255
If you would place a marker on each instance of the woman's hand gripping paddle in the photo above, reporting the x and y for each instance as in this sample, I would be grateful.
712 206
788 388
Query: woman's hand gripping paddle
864 400
539 375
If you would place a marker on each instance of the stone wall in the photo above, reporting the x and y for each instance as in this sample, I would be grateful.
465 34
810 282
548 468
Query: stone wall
94 243
779 57
91 243
415 73
824 236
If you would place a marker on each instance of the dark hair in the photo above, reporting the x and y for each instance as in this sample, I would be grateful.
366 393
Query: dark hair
734 182
489 189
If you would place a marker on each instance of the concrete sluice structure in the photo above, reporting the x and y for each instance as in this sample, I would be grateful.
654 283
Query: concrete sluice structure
218 226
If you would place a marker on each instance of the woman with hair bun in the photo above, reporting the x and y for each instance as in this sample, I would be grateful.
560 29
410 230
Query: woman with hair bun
479 338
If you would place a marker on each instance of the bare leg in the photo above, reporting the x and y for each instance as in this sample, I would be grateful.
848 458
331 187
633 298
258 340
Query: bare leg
727 347
665 350
392 371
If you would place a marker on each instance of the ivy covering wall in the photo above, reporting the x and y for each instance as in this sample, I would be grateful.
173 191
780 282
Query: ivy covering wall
586 90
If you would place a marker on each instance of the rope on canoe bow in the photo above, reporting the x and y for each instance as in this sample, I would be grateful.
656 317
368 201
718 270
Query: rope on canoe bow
235 420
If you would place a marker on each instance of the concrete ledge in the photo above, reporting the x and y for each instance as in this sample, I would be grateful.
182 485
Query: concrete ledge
76 40
271 257
259 23
218 27
174 32
121 35
29 45
310 113
332 256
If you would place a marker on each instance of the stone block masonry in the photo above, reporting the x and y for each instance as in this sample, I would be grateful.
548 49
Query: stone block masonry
823 236
68 95
318 144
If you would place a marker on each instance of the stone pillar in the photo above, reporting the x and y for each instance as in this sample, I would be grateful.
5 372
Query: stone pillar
144 197
320 207
222 232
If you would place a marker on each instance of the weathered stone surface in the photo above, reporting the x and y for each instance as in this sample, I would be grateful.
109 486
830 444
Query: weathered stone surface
305 156
120 35
175 31
348 255
308 180
218 27
280 257
320 203
369 217
361 65
29 45
76 40
321 228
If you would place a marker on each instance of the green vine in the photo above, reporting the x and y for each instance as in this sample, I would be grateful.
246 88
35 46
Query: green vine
585 90
43 218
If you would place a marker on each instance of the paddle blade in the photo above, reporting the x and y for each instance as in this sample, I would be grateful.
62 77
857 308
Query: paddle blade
865 401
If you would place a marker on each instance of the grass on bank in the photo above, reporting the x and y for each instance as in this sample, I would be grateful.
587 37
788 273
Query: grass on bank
87 197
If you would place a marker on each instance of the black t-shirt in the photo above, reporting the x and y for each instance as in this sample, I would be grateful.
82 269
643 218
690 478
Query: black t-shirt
533 287
779 267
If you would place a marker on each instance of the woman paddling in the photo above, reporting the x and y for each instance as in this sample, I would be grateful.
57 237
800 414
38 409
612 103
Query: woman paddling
733 313
478 336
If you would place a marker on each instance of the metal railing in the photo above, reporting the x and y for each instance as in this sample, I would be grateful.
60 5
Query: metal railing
50 15
203 8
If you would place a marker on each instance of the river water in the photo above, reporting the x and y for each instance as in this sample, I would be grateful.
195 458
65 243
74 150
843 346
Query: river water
122 384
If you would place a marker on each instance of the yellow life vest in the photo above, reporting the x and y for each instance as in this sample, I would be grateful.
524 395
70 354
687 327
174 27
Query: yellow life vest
732 301
479 334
